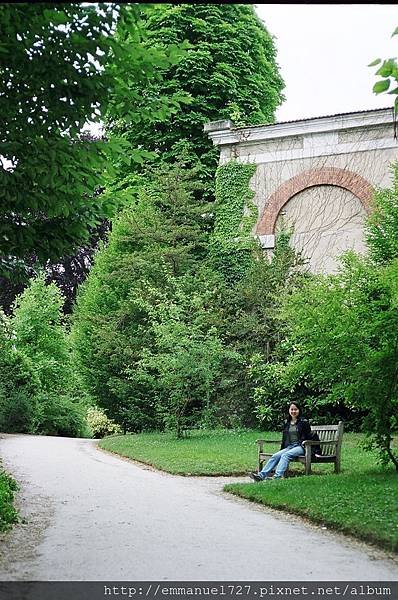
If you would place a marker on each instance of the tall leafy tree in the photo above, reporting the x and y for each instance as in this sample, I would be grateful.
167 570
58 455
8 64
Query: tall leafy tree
50 86
62 65
161 233
188 356
40 336
229 71
247 315
344 331
19 385
39 333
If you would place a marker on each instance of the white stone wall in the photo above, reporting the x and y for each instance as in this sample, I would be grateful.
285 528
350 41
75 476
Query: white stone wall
328 219
373 165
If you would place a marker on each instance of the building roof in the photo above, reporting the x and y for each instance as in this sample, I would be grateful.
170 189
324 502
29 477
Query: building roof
353 112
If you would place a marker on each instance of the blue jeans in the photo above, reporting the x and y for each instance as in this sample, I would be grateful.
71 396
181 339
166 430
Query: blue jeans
282 459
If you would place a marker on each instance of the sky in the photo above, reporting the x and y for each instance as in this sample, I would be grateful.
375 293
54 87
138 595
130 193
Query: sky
323 52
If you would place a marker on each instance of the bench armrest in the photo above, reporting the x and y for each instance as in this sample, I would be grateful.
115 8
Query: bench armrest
261 443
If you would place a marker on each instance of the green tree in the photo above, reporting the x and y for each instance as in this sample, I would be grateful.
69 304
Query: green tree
158 259
388 71
229 71
19 385
344 332
382 225
186 359
41 337
40 334
62 65
162 232
49 89
248 317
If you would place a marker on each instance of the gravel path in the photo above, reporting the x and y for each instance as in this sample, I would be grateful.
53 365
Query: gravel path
91 516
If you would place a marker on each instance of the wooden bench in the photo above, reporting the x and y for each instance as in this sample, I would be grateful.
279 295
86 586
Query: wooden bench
330 436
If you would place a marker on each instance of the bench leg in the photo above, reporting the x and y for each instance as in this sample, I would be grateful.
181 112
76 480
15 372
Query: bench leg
308 460
337 466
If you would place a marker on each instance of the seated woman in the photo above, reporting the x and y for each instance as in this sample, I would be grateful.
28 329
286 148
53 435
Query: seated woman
295 431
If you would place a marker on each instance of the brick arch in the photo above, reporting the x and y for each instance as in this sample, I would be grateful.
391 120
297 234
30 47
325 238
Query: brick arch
325 176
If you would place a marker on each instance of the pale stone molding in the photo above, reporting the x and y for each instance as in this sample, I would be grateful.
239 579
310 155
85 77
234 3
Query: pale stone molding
267 242
224 132
320 136
312 149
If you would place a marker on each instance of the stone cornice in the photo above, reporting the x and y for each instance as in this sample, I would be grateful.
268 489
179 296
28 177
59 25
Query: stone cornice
222 132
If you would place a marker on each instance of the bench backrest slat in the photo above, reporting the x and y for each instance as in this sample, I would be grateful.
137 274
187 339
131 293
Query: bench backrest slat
327 434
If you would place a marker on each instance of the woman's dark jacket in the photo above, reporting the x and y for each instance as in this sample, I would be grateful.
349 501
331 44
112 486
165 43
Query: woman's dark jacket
303 430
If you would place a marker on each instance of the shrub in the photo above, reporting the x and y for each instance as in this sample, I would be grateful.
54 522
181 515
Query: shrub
18 386
40 335
100 425
60 416
8 514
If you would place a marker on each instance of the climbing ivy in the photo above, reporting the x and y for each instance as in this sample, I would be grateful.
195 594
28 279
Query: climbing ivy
236 214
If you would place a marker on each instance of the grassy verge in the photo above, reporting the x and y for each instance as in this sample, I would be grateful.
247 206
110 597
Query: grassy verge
361 501
8 514
360 504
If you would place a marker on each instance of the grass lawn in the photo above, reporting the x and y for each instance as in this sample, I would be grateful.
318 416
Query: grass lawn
202 453
362 500
8 514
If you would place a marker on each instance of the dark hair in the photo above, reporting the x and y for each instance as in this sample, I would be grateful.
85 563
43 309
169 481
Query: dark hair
297 405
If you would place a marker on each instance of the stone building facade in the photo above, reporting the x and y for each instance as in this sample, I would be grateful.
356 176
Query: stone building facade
317 175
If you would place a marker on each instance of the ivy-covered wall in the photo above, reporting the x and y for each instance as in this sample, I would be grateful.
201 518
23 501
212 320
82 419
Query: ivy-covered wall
232 241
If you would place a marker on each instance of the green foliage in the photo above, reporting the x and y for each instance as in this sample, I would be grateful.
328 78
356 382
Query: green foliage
100 425
343 330
228 68
247 315
187 356
154 301
162 233
271 392
60 415
46 207
41 338
19 385
388 71
8 513
39 333
62 65
232 243
337 350
136 64
256 298
382 225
